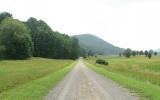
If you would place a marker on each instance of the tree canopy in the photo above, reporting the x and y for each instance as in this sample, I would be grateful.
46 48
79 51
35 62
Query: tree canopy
15 38
34 37
52 44
128 52
4 15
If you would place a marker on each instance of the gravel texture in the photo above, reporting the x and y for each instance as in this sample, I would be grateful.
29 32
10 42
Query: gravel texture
84 84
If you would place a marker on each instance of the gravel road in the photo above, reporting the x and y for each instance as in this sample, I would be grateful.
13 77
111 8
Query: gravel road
84 84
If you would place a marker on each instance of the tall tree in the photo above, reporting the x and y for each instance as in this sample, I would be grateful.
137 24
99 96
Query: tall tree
52 44
128 52
155 53
18 40
75 48
149 55
133 53
141 52
14 36
2 49
146 53
43 38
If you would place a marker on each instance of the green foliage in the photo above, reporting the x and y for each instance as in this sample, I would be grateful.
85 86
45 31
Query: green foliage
101 61
45 45
149 55
133 53
75 48
4 15
21 40
42 38
15 38
127 53
146 53
52 44
2 49
141 52
155 53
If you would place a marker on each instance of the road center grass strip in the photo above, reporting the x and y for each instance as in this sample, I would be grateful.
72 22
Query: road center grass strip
145 90
36 89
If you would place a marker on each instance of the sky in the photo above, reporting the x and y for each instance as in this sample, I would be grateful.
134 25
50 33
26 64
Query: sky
131 24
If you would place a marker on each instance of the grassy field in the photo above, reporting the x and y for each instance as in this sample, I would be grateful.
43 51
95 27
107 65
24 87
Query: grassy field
30 79
139 74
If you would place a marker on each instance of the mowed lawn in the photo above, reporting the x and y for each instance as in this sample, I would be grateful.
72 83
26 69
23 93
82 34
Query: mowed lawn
30 79
139 74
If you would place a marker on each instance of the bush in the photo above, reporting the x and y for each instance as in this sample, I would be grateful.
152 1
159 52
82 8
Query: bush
101 61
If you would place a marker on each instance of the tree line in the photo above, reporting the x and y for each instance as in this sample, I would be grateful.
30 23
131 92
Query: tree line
128 53
21 40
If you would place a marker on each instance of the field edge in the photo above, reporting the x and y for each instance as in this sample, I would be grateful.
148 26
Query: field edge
37 89
145 91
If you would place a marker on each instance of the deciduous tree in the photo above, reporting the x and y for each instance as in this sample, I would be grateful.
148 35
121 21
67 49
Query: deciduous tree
14 36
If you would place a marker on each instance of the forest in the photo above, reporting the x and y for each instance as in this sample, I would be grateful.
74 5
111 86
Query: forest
22 40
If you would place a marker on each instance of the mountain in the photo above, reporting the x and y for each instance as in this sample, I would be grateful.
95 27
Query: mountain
97 45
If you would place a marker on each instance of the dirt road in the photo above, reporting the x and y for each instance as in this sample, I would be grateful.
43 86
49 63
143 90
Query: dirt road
84 84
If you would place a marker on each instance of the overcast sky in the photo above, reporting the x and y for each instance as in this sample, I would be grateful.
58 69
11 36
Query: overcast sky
125 23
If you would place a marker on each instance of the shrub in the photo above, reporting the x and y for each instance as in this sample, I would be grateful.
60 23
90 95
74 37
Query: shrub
101 61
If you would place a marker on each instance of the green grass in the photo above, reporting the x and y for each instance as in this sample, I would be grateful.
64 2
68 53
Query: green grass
139 74
31 79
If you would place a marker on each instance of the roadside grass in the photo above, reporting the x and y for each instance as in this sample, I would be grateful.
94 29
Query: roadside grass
140 67
138 74
31 79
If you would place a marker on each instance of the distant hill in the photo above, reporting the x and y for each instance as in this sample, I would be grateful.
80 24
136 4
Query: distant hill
97 45
158 50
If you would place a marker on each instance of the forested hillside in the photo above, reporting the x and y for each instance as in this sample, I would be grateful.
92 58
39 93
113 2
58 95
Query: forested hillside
94 44
21 40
